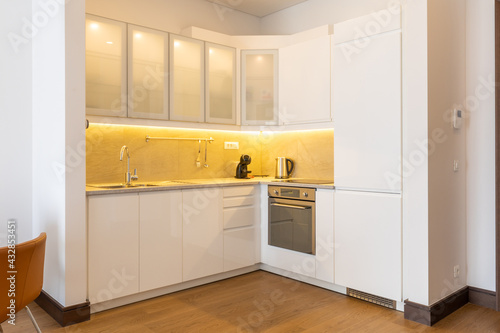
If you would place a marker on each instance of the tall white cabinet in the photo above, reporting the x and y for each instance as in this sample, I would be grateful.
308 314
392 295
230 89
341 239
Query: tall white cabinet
366 76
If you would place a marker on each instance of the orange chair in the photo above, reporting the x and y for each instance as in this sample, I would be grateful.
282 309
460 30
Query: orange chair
28 265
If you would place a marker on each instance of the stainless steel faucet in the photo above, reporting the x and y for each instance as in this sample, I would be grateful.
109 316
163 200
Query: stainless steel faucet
128 176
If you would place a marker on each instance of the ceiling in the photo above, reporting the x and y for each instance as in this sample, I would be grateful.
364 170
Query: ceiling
258 8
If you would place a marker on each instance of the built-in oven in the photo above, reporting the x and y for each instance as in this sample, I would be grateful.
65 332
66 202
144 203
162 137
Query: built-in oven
292 218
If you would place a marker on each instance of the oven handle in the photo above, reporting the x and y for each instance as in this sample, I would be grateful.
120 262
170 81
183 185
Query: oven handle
289 206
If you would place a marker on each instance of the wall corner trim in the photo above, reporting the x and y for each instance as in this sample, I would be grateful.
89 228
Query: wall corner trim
431 314
65 316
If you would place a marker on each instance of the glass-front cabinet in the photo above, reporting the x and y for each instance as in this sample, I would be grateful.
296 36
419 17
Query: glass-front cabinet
106 67
187 84
147 73
259 88
220 82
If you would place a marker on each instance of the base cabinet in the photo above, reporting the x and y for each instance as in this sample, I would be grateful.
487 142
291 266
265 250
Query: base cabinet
202 241
160 250
368 242
113 262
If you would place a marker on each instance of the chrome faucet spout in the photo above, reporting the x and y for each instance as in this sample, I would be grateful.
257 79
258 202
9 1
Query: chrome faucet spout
128 176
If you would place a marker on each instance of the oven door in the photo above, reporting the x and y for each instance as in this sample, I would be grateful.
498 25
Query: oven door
292 225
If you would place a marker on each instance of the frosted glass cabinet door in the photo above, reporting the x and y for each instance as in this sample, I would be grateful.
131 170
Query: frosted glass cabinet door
187 88
147 82
220 76
259 89
106 67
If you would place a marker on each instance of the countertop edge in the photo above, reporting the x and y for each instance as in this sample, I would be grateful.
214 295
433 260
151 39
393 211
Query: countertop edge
188 186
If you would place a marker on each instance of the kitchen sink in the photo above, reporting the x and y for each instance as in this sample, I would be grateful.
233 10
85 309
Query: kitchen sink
117 186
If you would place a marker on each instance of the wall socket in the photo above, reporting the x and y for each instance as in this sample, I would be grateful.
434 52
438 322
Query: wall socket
456 271
231 145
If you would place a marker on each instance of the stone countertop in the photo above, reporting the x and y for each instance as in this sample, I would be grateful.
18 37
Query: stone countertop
200 183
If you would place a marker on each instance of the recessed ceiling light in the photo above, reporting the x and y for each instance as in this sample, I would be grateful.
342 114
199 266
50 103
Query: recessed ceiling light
94 25
109 43
138 35
176 43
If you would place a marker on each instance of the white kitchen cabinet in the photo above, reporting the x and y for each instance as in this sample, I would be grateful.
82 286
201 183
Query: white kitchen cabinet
368 242
325 255
259 87
220 83
160 239
241 226
367 108
105 67
113 246
305 83
147 73
203 241
187 79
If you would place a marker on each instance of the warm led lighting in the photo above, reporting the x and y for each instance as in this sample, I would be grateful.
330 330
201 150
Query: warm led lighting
94 26
259 58
138 35
109 43
177 44
210 51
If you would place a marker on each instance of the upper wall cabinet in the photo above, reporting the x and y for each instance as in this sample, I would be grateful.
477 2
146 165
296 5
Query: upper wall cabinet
187 84
259 88
220 82
304 90
147 73
106 67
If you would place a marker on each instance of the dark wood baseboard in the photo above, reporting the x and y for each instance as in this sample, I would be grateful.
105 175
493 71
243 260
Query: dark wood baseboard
429 315
65 316
482 297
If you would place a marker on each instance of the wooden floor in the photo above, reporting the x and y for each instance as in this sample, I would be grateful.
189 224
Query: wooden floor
259 302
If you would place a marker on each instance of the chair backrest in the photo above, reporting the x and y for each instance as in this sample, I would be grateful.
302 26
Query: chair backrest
28 265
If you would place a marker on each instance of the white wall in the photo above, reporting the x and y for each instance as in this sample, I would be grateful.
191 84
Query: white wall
447 188
176 15
313 13
59 147
480 127
15 120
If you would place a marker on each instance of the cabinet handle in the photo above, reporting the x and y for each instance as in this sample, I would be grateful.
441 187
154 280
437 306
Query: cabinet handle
290 206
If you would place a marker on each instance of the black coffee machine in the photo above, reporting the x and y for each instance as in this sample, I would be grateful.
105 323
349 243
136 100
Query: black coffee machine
241 169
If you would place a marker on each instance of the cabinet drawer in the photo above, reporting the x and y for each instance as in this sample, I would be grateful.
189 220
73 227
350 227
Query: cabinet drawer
238 201
239 217
238 191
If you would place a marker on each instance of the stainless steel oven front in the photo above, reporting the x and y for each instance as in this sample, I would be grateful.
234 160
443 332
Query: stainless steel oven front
292 216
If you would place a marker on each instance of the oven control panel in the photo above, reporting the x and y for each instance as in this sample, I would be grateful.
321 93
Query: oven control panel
287 192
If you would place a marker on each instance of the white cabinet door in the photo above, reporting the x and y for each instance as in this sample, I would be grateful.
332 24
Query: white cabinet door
113 263
187 79
147 68
105 67
304 91
239 248
325 235
367 112
220 83
259 87
203 241
368 242
160 239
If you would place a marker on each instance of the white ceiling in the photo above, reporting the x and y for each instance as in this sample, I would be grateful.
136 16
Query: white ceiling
258 8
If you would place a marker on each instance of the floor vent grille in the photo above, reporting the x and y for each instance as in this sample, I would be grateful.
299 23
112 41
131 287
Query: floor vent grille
388 303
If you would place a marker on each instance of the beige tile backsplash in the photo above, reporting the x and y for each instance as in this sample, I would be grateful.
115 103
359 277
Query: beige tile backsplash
312 152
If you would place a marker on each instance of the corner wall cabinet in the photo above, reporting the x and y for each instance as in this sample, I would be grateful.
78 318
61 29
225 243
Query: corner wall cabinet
259 87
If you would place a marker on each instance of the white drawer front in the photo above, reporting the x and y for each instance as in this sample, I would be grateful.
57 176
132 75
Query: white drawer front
238 202
239 217
238 191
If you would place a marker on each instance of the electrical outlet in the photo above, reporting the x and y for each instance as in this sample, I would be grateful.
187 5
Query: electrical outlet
231 145
456 271
456 165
